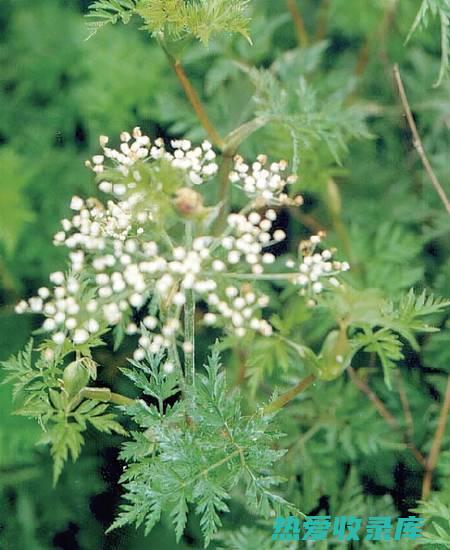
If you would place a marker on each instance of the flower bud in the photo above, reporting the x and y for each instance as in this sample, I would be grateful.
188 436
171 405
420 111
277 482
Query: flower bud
334 357
188 202
75 378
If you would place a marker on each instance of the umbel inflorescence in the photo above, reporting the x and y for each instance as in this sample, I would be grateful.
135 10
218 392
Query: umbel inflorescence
134 259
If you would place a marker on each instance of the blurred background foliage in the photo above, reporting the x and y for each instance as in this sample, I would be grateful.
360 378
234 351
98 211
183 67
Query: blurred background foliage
324 85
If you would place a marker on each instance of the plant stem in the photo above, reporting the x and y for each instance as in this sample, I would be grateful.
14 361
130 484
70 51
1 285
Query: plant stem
382 410
322 24
173 353
302 35
189 323
267 276
288 396
405 405
197 105
417 142
194 99
224 186
105 394
217 464
189 334
433 457
377 403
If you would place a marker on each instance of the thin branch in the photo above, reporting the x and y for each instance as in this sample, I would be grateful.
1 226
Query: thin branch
433 457
377 403
288 396
405 406
189 323
383 411
302 35
197 105
224 189
194 99
322 23
417 142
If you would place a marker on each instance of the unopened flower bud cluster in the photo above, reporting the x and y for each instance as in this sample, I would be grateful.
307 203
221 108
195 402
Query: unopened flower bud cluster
122 260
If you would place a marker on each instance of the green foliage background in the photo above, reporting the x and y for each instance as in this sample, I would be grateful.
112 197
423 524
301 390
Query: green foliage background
58 92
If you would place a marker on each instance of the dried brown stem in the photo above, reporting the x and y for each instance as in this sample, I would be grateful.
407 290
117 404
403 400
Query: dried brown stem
433 457
302 35
417 142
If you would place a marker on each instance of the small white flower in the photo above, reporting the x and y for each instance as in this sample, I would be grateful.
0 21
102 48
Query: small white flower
36 304
187 347
279 235
139 354
106 186
317 287
71 323
92 326
76 203
80 336
49 325
44 292
150 322
59 338
209 318
57 277
179 299
168 367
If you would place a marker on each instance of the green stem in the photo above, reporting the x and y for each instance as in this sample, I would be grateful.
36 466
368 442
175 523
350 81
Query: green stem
224 187
217 464
288 396
267 276
189 332
189 324
173 353
106 395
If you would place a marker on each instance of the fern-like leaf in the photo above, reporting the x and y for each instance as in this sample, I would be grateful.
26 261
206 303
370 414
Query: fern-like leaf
109 12
440 9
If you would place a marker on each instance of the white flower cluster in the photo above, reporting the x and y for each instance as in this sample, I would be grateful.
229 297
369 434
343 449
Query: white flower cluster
248 236
266 183
124 267
314 270
197 162
66 310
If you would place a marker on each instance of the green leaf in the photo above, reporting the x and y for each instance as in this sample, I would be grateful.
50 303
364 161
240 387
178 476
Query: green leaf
385 344
109 12
200 19
440 9
16 212
64 438
106 423
179 517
